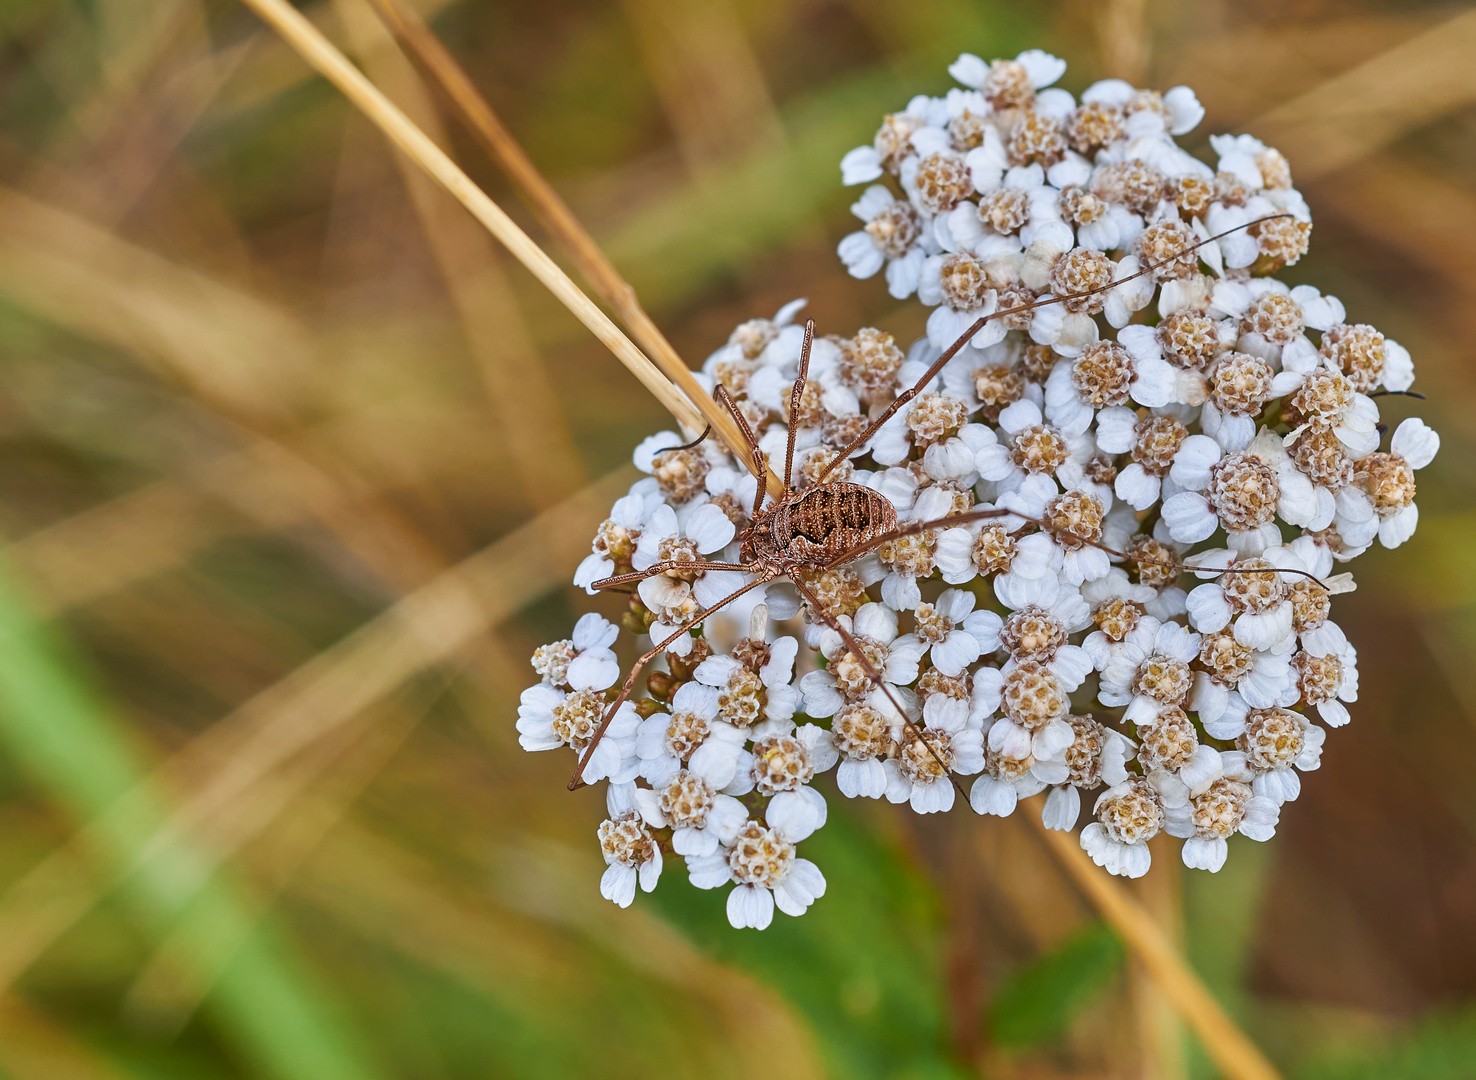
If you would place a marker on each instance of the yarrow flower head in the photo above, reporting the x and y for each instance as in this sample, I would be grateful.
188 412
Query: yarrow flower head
1118 507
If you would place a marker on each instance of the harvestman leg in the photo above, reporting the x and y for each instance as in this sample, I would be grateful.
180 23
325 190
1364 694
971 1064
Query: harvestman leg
978 324
794 401
660 568
875 676
760 459
912 528
576 781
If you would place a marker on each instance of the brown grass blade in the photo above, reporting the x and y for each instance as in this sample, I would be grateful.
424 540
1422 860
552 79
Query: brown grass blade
709 81
392 896
554 213
247 359
1123 40
33 1047
1369 106
1227 1046
318 51
1160 1034
532 424
318 793
226 345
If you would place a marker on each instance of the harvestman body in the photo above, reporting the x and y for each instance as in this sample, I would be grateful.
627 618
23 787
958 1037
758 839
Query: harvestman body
831 523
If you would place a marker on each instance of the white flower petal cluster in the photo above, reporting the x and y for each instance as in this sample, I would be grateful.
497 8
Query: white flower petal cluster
1168 451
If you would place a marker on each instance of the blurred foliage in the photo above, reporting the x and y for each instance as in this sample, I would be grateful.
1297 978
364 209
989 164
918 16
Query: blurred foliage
273 570
1040 1001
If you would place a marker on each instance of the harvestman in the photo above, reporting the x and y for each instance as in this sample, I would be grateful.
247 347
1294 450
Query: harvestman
834 522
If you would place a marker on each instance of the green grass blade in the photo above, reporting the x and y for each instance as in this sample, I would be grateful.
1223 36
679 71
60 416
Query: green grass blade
68 740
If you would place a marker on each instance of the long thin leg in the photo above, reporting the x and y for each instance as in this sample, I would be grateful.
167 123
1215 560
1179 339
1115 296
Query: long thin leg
688 445
661 568
978 324
875 676
576 781
794 402
912 528
760 459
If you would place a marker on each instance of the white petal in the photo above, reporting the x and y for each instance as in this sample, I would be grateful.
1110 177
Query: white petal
1416 442
1205 854
861 256
991 796
750 906
1136 487
795 815
860 165
1189 518
969 70
618 884
1191 468
955 652
1062 808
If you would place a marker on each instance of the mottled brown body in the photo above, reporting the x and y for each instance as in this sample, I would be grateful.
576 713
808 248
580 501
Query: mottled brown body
813 528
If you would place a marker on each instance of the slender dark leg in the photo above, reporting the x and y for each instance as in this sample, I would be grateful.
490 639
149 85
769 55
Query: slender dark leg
575 781
875 676
690 445
912 528
794 402
661 568
979 323
760 459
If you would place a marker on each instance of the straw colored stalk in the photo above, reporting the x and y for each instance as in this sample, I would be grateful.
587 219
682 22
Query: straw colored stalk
554 214
1224 1042
1123 39
73 746
304 803
501 945
711 86
523 399
246 359
317 50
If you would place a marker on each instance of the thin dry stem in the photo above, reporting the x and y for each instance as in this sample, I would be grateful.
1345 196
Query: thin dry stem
1160 1032
523 398
318 792
325 57
373 885
1237 1057
551 210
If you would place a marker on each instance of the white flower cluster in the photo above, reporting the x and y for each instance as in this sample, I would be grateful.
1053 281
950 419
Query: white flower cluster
1202 413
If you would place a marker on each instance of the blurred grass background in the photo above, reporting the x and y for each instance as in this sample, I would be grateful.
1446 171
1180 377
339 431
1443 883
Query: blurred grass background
295 467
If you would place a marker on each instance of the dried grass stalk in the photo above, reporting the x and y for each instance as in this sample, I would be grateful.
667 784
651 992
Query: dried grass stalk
318 51
1228 1047
551 210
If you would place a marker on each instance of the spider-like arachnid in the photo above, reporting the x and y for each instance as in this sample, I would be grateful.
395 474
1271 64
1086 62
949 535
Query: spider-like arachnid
833 522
